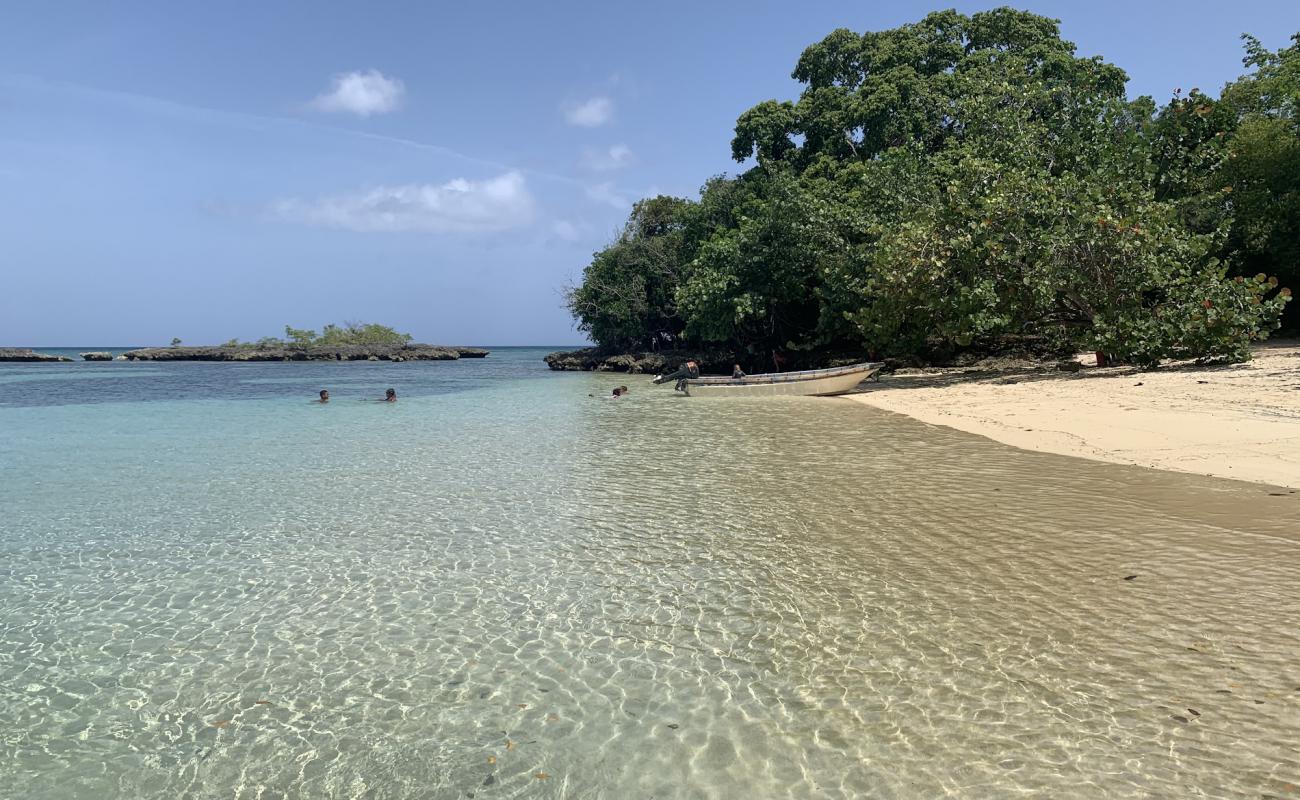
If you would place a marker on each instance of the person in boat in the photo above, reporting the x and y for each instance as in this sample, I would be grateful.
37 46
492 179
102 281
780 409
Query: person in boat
736 372
324 396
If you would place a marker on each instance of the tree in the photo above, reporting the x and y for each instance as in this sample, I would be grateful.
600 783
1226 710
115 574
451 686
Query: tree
176 342
753 281
958 179
299 336
351 333
1262 170
983 181
627 296
1234 163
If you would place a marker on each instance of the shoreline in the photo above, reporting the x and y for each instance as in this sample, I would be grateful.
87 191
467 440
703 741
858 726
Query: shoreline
1239 421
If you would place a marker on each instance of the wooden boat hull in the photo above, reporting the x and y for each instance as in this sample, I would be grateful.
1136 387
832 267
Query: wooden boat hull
808 383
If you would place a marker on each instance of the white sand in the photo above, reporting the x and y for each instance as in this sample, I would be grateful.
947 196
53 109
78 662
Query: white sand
1240 421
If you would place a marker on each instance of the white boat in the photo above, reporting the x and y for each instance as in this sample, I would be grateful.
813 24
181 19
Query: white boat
807 383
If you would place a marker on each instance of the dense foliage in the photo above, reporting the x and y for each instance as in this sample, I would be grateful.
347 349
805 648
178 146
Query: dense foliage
350 333
970 179
1233 163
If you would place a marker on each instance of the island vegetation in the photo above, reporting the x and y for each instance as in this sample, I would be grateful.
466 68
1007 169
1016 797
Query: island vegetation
966 181
351 341
349 333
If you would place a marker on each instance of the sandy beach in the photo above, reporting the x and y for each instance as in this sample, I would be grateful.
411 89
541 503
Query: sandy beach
1240 421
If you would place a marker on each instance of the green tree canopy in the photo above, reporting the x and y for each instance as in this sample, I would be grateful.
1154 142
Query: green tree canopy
1233 164
627 296
959 179
349 333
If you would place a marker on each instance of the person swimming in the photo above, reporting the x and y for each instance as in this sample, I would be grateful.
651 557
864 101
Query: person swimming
324 396
390 396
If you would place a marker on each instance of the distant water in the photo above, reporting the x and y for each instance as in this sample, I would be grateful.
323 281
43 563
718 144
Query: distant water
75 352
502 587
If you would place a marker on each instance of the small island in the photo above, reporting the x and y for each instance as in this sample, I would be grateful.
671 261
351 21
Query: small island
291 352
27 354
352 341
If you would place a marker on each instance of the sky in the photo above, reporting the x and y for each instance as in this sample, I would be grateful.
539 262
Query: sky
217 170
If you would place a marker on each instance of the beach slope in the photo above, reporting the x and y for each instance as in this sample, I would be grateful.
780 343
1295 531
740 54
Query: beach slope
1239 421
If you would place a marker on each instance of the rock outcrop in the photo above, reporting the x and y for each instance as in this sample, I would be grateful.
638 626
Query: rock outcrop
591 359
98 355
26 354
357 352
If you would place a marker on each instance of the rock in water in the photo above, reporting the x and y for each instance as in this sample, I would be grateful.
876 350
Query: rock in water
591 359
27 354
97 355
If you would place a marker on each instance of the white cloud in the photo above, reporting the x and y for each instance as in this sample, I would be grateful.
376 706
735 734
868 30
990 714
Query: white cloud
591 114
361 93
606 193
614 157
457 206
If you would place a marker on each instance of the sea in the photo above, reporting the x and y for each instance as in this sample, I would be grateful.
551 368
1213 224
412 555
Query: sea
506 585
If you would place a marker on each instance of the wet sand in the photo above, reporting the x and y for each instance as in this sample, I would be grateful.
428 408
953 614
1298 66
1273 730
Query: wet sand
1240 421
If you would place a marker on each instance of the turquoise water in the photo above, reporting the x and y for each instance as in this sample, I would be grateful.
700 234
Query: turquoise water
503 587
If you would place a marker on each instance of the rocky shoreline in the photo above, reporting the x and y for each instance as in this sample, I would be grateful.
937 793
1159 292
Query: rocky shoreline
28 355
356 352
592 359
1008 352
404 352
718 362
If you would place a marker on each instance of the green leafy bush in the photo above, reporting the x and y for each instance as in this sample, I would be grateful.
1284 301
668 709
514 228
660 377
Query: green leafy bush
350 333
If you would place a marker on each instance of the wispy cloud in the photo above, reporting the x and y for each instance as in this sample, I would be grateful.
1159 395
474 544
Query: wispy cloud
590 114
613 157
361 93
166 108
458 206
609 195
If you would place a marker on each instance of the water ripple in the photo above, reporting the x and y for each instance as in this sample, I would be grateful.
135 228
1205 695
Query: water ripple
520 591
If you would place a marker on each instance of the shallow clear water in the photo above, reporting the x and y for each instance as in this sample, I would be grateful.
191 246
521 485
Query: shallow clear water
502 587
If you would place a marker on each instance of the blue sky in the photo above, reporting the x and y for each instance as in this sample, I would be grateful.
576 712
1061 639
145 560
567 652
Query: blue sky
209 170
